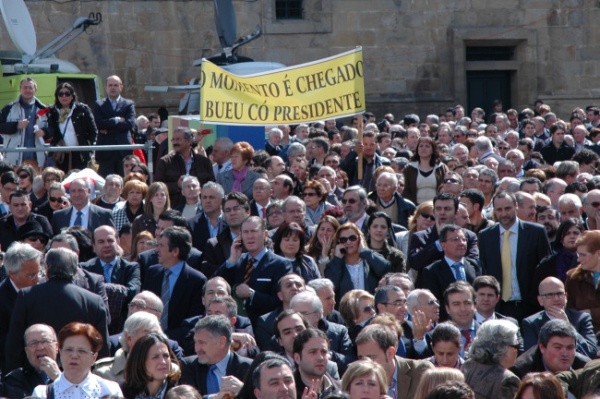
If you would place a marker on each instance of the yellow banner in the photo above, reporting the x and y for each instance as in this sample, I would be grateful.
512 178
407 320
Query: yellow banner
328 88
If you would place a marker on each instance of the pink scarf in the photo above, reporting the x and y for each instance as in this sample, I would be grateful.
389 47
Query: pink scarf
238 178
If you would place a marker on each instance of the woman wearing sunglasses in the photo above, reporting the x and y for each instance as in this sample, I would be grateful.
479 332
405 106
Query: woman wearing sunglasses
71 123
353 264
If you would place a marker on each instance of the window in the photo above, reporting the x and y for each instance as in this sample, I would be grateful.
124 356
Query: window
490 53
288 9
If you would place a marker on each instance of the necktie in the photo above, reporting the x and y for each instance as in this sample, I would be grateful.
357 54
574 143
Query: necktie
78 221
212 380
248 270
165 296
458 271
264 212
468 340
506 268
107 271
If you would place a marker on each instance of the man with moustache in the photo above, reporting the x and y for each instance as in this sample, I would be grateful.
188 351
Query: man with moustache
181 162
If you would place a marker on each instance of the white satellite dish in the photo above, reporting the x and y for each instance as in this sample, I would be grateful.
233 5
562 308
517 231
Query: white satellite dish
19 25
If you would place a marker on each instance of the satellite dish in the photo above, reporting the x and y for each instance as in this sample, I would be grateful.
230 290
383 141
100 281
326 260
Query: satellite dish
226 22
19 25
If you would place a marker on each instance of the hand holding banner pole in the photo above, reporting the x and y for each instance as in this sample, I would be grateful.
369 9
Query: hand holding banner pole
360 140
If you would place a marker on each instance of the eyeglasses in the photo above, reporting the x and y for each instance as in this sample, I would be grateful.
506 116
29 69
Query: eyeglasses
64 93
309 194
399 302
428 216
433 302
307 313
457 239
352 201
24 176
33 276
70 352
368 309
232 209
55 199
43 342
142 306
343 240
455 181
552 295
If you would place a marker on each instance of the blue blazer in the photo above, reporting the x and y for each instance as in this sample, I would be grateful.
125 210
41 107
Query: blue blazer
263 280
586 338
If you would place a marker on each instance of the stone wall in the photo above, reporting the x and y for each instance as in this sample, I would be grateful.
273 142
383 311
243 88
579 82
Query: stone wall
414 50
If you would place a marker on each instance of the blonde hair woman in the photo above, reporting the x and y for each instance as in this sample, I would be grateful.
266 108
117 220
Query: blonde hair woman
365 379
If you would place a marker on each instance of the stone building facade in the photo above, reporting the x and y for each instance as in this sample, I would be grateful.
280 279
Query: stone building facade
420 55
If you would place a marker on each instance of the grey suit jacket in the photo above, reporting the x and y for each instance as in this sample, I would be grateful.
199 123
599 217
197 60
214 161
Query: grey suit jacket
225 179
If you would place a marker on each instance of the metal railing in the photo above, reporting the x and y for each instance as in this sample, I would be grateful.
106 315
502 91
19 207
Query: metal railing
48 148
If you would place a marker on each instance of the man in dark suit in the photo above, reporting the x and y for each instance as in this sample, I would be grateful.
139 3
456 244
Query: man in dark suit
168 218
424 245
553 298
459 299
379 344
115 118
175 282
261 198
340 347
210 222
256 274
218 249
23 263
40 368
122 278
555 351
527 244
82 213
487 296
56 303
148 302
211 369
20 213
452 267
182 161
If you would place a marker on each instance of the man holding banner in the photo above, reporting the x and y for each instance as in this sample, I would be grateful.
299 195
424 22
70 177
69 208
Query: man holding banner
371 161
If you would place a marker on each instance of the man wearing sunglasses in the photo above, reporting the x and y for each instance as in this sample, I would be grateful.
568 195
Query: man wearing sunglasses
20 208
591 207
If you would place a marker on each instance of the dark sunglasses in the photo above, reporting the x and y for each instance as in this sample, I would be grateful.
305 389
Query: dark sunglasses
350 200
55 199
368 309
36 237
64 94
450 181
24 176
428 216
343 240
309 194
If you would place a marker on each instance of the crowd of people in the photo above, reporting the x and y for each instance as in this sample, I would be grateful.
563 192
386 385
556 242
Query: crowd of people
439 268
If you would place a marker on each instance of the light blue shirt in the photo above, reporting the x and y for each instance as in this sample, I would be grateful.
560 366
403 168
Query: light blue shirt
221 370
213 230
450 262
514 242
175 272
85 216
